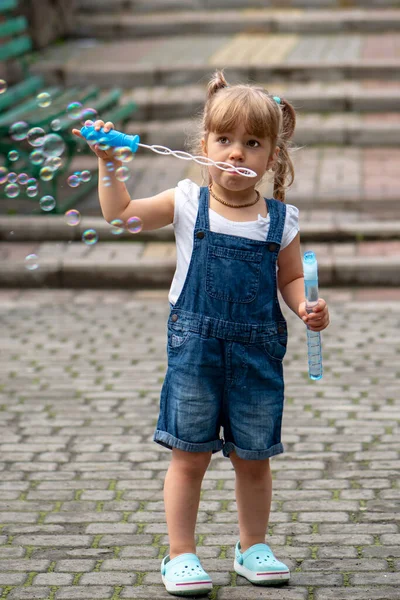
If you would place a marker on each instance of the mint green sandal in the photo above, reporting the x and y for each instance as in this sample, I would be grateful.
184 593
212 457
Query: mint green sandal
259 565
184 576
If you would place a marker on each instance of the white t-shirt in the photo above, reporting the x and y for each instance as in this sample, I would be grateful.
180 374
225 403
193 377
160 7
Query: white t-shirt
187 194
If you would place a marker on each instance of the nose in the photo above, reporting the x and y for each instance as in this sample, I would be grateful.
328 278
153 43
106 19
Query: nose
236 152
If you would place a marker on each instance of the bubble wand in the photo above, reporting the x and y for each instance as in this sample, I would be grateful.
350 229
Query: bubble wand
118 139
310 268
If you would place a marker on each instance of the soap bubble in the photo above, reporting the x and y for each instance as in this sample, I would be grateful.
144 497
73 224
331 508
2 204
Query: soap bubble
36 136
73 181
46 174
47 203
32 181
88 114
32 191
55 124
3 175
134 225
122 174
85 176
90 237
106 181
12 177
23 178
12 190
74 110
72 217
43 99
123 153
3 86
53 162
13 155
19 130
36 157
110 167
103 144
117 227
31 262
53 145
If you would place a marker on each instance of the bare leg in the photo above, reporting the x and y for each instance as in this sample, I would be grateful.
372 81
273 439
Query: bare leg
182 496
253 496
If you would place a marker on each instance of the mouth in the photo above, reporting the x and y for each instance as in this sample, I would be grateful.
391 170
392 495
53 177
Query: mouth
233 171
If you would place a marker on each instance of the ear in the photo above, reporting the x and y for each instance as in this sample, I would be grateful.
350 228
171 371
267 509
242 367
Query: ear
204 146
273 158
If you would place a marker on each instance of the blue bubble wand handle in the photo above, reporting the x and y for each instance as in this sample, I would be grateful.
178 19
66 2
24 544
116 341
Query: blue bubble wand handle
310 268
116 139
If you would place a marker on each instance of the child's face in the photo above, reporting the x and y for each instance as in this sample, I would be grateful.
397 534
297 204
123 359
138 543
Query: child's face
240 149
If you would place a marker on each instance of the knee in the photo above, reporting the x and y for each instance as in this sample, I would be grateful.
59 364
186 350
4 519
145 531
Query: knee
192 464
250 469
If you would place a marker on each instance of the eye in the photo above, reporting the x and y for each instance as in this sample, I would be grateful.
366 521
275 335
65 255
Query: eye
253 143
222 139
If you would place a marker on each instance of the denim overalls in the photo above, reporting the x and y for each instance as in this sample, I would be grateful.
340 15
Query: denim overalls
226 341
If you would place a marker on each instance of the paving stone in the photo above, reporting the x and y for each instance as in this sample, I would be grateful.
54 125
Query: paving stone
75 566
13 578
351 593
53 579
28 593
20 565
251 593
59 540
84 592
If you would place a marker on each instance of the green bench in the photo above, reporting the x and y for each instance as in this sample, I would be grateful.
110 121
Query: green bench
20 104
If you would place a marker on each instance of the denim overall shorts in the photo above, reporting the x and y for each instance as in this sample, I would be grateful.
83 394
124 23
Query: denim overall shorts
227 336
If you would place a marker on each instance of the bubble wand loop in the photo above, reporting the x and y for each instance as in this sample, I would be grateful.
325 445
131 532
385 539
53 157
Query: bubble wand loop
310 268
118 139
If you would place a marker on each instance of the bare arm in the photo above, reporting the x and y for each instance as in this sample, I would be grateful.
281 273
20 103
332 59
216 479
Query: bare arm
154 212
290 275
291 286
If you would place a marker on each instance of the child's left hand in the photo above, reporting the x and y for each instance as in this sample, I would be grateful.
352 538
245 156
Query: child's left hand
318 319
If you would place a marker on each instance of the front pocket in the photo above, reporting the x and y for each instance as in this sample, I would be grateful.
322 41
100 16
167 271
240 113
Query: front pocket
275 349
233 275
176 339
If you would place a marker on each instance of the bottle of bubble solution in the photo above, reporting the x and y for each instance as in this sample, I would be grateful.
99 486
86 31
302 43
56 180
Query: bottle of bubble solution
310 268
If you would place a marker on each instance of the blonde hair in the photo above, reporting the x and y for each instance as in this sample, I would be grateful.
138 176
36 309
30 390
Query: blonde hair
261 116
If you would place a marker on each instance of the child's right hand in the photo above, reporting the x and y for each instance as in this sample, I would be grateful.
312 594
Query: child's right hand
103 154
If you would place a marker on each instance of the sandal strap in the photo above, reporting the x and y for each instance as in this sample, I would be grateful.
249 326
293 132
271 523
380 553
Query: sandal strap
188 559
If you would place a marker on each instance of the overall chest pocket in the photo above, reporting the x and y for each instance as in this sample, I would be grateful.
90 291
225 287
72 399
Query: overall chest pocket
233 275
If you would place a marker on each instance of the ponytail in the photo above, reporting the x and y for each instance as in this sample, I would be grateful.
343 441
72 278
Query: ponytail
216 83
284 169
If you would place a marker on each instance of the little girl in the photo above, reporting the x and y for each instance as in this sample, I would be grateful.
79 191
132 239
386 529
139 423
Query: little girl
227 336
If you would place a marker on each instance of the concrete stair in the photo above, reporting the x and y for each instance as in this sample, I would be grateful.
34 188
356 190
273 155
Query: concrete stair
128 24
189 60
337 62
166 6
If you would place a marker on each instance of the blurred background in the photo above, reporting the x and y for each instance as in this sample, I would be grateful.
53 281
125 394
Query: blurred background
144 64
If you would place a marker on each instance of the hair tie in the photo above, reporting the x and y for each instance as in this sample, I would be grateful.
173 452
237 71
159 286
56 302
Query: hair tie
277 99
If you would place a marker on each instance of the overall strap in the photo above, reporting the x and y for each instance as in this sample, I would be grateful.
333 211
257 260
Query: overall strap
277 214
202 221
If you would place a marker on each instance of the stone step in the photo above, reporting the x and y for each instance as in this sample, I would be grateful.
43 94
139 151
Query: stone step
347 129
145 265
338 184
316 227
151 6
184 60
164 103
124 24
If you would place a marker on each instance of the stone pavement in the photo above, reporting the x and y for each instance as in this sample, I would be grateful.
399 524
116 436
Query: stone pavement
81 511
